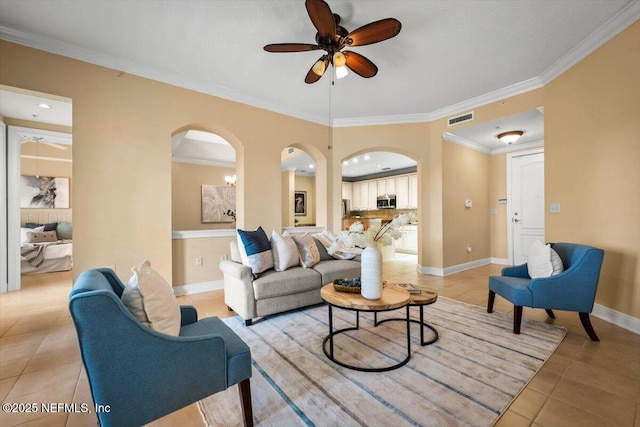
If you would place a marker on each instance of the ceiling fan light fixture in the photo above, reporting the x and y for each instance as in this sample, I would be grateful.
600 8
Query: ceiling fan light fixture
319 68
341 72
339 59
510 137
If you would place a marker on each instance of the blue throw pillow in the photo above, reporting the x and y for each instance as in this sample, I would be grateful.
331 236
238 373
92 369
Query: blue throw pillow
47 227
255 250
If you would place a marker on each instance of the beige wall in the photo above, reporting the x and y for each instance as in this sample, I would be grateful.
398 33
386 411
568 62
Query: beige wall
308 184
465 176
186 194
184 253
592 163
122 128
498 190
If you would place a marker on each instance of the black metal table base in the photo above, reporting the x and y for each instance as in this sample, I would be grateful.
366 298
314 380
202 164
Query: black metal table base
333 333
421 322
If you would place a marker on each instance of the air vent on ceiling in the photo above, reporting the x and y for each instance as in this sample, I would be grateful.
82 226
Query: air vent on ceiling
290 150
385 169
460 119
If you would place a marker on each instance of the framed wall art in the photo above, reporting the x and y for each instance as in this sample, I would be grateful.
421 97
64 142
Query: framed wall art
218 204
44 192
300 202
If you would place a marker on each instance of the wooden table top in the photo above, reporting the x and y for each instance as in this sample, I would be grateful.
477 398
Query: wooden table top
392 297
425 297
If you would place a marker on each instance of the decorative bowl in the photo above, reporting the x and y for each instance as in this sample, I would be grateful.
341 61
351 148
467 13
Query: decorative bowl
347 285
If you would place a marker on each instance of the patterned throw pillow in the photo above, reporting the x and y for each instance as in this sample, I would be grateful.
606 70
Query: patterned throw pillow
151 300
285 252
41 236
307 249
255 250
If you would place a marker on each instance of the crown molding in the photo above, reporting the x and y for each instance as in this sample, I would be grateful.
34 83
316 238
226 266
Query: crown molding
130 67
614 26
465 142
203 162
517 147
622 20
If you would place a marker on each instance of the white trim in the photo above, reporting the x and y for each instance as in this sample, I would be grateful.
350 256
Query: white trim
302 230
432 271
13 197
4 283
449 137
199 234
196 288
53 159
619 319
466 266
203 162
614 26
520 147
500 261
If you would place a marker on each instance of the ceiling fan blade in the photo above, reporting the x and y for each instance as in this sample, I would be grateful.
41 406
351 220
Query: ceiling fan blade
360 65
312 77
290 47
374 32
321 16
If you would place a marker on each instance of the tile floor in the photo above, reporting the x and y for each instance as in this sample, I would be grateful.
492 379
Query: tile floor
582 384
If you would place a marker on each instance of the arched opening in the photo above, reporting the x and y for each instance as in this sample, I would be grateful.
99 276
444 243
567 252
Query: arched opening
377 186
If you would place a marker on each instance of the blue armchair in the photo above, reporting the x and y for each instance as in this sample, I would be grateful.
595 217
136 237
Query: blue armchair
136 374
574 289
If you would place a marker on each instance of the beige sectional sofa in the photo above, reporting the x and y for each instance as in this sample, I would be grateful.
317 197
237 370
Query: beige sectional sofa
278 291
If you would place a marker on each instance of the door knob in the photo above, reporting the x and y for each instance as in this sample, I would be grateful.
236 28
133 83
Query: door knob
516 220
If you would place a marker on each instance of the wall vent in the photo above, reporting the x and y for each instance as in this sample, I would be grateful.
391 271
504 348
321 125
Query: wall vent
460 119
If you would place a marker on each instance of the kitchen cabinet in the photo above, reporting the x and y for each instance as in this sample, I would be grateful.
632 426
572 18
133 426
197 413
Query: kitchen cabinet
408 241
364 195
347 190
413 191
373 195
356 203
390 185
402 192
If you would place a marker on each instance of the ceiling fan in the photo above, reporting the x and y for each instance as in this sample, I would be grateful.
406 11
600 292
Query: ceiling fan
333 38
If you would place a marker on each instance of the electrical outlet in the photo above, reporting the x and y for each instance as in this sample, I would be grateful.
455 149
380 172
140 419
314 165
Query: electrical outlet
469 248
199 260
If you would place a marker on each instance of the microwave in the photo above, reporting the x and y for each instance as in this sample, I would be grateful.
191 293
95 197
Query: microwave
388 201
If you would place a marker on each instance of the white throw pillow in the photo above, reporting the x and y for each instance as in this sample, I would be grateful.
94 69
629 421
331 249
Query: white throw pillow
307 249
24 231
152 301
539 261
556 263
285 252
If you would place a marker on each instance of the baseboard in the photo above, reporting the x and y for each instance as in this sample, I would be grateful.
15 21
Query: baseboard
436 271
196 288
500 261
619 319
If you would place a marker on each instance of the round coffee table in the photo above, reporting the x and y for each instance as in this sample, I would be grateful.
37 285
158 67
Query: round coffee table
392 299
425 297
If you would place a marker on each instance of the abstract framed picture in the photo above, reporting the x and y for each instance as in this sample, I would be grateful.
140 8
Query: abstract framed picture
44 192
300 202
218 204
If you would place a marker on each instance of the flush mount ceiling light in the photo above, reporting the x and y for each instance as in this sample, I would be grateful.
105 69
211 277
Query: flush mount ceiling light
510 137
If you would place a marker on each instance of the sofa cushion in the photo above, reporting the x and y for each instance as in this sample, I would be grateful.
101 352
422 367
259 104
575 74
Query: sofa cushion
255 250
307 250
278 283
337 269
285 252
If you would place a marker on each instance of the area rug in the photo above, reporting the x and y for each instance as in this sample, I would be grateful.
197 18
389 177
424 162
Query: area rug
468 377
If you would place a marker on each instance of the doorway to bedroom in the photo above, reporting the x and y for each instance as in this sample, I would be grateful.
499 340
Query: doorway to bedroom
37 175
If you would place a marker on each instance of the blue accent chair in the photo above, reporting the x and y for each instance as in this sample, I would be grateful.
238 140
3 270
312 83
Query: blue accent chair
574 289
136 374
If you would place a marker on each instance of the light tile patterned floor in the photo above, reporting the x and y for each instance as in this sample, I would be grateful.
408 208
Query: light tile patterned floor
583 383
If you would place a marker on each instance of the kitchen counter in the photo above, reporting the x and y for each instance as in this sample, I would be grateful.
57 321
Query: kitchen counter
367 222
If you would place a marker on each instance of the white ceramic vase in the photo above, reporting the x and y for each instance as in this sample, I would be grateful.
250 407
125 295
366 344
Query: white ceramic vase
371 273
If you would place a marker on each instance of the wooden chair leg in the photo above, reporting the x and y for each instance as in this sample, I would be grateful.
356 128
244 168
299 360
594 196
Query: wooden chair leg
586 324
550 313
248 322
229 308
244 387
492 298
517 318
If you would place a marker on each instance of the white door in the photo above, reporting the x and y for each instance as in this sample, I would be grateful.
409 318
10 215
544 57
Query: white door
527 204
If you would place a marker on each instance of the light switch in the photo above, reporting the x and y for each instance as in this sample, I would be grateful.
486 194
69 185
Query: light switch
494 211
555 207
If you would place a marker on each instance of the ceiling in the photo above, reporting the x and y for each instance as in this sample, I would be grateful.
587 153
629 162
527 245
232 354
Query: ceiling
449 57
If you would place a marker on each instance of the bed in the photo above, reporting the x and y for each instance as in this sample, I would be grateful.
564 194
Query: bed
46 248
